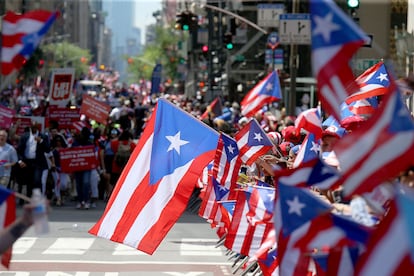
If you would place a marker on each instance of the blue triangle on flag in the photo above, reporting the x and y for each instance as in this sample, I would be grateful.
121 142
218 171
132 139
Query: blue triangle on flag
298 206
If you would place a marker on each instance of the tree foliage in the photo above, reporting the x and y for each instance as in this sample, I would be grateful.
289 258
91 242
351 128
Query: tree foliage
163 50
64 54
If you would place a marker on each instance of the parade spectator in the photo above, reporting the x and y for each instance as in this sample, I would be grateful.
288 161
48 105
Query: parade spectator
60 178
8 158
106 155
124 140
83 178
33 151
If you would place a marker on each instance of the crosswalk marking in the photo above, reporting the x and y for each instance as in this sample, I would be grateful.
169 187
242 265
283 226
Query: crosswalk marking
81 246
124 250
70 246
22 245
199 247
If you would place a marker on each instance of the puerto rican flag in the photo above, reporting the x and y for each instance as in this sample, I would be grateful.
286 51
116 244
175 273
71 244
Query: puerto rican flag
389 248
266 91
380 150
244 237
310 120
223 181
294 208
311 173
155 186
309 150
375 81
335 39
252 142
21 35
7 217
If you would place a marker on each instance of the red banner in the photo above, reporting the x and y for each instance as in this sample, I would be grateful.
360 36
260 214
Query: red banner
6 116
78 159
21 123
64 116
61 86
94 109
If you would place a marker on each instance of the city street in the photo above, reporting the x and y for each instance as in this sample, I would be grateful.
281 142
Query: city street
189 249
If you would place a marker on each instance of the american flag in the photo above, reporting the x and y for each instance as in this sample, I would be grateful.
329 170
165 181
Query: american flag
252 142
380 150
158 180
375 81
335 39
21 35
7 216
266 91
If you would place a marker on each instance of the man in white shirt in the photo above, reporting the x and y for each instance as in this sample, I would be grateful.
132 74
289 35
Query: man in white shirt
8 157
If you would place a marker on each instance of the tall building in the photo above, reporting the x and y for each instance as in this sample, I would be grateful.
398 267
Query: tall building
120 20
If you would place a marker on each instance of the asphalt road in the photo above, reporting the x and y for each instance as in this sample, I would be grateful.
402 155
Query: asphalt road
189 249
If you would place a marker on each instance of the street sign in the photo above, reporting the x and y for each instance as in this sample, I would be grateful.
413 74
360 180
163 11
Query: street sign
295 28
273 40
268 14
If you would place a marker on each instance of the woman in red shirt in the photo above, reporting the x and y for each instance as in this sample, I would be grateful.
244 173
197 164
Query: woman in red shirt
123 142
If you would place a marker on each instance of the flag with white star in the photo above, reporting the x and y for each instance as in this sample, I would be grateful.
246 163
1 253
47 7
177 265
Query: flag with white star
21 35
266 91
309 150
335 39
223 181
297 206
153 190
252 142
378 151
375 81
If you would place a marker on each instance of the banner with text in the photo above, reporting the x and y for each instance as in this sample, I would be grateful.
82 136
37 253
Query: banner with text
78 159
20 123
95 109
61 85
6 116
64 116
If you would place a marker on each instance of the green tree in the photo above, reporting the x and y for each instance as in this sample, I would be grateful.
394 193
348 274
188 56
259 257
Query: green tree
64 54
163 50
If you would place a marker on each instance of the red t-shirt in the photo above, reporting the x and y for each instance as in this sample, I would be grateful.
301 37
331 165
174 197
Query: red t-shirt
114 147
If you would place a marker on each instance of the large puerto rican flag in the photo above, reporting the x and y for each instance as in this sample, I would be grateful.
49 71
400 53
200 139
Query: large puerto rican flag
158 180
21 35
335 39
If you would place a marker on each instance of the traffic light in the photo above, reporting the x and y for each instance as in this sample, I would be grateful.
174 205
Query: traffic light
228 40
186 21
352 4
204 49
179 20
